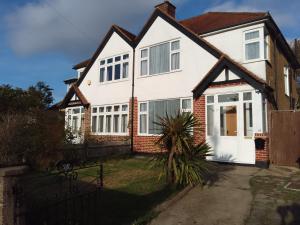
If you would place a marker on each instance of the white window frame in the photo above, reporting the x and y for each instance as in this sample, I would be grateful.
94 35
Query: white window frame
206 113
260 40
252 102
170 58
112 114
106 65
80 115
286 77
147 113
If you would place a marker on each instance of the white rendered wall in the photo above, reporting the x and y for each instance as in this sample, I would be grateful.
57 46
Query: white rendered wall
195 62
232 43
109 92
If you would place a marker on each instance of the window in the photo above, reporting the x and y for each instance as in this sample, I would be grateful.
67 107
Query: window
228 120
252 45
228 98
286 80
111 119
248 114
150 112
115 68
143 118
75 119
160 58
186 105
210 115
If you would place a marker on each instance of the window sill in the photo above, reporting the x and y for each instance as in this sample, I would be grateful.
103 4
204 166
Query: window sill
113 82
149 135
111 134
254 61
158 74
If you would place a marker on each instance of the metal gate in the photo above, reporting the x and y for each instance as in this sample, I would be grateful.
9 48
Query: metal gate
69 196
285 138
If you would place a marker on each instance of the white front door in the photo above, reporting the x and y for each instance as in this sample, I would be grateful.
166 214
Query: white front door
230 127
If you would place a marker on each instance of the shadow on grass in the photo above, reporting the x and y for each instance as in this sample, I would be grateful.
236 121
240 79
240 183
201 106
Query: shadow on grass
290 214
48 200
124 208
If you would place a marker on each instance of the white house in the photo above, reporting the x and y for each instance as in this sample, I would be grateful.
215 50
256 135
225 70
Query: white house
229 69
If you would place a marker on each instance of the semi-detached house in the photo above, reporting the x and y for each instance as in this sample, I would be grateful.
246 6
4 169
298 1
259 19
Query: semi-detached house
229 69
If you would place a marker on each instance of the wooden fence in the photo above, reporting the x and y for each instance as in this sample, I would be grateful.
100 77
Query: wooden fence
285 138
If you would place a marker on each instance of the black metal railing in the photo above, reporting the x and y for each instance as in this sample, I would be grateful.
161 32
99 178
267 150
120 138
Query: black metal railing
68 196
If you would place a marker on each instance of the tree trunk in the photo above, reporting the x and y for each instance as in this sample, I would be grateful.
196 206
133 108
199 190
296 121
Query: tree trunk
170 172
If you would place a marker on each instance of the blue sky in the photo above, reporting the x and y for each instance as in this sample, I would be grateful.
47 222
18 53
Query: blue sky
40 40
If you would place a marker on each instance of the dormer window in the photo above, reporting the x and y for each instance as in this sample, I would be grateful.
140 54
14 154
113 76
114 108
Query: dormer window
114 68
160 58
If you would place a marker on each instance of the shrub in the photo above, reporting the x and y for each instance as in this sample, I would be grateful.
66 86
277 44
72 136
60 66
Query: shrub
35 138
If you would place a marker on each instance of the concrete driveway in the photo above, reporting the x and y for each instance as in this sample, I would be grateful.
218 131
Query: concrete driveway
227 202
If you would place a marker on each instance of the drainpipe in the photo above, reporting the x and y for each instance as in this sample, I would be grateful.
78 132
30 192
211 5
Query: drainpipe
132 101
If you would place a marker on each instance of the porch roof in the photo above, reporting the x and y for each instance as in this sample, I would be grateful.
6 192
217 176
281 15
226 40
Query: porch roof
243 73
74 90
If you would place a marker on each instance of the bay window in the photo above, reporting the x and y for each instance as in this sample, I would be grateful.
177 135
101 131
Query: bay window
150 112
111 119
114 68
161 58
75 119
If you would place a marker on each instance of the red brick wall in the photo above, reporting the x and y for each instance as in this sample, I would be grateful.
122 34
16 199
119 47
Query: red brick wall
87 121
145 144
262 155
199 113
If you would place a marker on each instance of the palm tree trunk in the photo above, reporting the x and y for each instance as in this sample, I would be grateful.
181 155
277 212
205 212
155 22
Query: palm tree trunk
170 172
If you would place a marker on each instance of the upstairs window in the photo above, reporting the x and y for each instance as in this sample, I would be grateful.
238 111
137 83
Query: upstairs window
286 80
252 45
114 68
256 45
161 58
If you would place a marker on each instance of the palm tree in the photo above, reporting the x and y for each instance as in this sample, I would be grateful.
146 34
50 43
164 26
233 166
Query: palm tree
184 163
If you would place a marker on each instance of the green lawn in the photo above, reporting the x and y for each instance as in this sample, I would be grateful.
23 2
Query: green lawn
131 190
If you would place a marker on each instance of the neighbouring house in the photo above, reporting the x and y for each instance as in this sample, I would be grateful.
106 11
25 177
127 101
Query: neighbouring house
231 69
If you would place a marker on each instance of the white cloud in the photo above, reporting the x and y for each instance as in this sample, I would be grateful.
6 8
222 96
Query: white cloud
285 13
73 27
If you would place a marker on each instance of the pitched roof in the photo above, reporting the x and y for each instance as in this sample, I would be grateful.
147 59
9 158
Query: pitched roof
128 36
251 78
213 21
81 64
185 30
73 90
70 80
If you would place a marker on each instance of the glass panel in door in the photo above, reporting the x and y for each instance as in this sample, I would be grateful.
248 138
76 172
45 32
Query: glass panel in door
228 121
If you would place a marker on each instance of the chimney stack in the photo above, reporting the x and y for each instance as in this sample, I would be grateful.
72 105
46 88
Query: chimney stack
168 8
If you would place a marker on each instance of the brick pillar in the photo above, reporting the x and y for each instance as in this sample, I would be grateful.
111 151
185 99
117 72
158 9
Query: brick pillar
135 119
87 121
10 214
199 113
262 158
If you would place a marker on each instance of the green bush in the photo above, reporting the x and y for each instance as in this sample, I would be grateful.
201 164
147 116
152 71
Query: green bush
35 138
